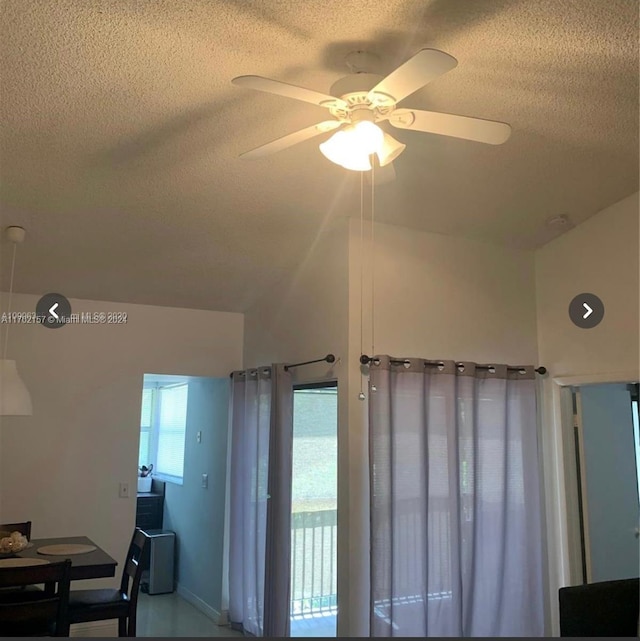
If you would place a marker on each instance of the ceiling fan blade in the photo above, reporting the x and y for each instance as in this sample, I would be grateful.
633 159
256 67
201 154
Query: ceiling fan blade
291 139
416 72
489 131
289 91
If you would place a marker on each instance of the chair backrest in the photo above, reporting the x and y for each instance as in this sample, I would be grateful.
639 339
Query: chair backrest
29 611
605 609
23 528
133 566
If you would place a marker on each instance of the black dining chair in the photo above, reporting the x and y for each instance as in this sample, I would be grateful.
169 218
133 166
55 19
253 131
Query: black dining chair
101 605
24 528
29 614
604 609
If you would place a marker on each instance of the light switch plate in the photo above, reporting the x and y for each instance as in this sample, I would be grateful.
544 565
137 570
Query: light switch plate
123 492
199 436
205 481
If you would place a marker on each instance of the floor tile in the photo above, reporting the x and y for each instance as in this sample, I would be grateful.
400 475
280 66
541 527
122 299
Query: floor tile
169 615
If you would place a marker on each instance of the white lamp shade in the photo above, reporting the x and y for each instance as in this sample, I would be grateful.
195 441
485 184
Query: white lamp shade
340 150
390 150
351 147
15 399
368 137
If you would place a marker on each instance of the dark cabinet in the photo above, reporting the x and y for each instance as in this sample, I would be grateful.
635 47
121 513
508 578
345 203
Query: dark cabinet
150 507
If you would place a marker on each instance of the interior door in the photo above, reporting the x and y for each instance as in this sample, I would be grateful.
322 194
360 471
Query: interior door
609 483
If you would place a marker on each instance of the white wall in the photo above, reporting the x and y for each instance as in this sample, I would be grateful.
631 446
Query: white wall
61 467
305 316
440 296
600 256
194 513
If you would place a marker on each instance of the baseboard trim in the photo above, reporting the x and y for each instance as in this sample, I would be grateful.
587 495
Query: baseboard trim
221 618
95 629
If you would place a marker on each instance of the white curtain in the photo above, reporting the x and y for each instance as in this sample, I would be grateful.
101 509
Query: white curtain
261 415
456 547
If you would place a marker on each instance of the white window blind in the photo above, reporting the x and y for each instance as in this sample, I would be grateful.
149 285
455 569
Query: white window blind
147 406
144 455
171 424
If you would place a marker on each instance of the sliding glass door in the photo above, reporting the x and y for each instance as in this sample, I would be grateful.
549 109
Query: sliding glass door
314 511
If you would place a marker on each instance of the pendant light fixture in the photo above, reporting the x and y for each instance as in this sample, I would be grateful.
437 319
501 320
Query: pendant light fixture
15 399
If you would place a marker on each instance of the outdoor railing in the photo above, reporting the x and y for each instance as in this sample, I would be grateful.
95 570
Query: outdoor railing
313 562
313 558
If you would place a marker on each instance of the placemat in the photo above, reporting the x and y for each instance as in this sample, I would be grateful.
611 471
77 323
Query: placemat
63 549
19 562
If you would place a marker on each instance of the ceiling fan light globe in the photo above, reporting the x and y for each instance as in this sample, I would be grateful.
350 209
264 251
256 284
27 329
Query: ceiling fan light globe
367 137
334 147
357 163
343 149
391 149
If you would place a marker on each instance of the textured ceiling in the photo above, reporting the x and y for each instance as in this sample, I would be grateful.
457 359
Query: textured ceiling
120 133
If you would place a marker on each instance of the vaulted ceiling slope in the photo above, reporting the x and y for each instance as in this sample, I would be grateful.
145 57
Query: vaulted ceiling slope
121 131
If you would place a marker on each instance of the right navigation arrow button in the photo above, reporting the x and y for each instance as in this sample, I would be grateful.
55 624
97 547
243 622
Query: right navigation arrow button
586 310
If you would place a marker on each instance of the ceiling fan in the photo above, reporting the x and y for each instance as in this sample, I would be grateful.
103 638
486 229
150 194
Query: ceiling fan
362 99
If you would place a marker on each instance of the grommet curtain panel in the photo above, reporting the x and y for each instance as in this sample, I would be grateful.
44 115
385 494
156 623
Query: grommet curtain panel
456 543
261 415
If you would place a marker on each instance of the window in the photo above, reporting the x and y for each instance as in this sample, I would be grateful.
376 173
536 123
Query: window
145 426
163 423
171 425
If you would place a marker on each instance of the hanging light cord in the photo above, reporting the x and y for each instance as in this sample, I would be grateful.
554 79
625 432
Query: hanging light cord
361 270
373 341
6 334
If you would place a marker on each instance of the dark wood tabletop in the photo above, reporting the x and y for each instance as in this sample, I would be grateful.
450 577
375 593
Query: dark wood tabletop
91 565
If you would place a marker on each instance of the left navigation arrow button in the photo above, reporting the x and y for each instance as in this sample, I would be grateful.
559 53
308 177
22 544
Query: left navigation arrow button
53 311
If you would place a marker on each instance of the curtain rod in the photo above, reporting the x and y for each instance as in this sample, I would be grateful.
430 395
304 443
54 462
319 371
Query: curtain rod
329 358
365 360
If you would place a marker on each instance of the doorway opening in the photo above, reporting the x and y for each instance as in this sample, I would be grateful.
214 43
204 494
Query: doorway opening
634 390
314 503
607 451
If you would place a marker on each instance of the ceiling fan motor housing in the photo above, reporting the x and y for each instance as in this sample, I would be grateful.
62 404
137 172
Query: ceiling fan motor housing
354 90
355 84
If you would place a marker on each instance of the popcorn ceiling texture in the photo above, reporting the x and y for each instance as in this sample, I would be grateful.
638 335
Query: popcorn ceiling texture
121 131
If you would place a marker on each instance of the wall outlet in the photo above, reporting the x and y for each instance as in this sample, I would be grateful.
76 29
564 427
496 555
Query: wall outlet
124 491
205 481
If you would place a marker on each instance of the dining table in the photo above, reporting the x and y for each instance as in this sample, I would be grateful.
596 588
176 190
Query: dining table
96 564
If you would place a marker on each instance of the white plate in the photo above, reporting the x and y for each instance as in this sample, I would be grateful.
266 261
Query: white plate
18 562
62 549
